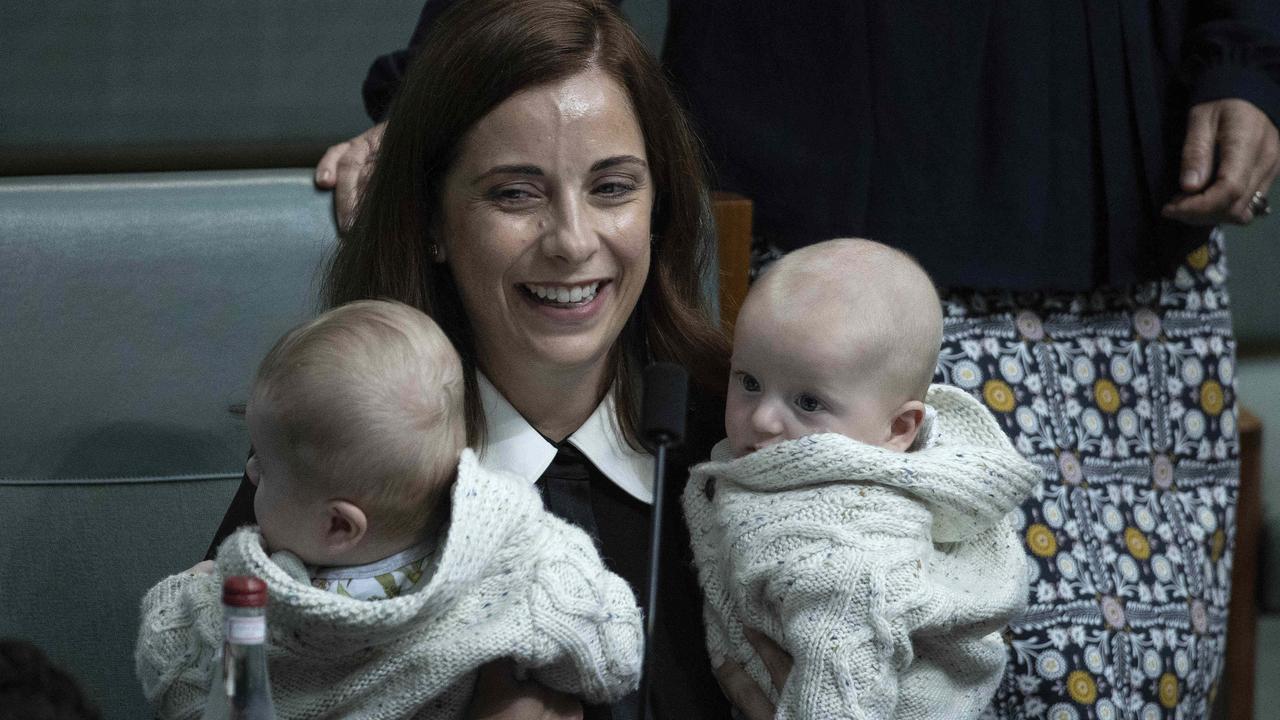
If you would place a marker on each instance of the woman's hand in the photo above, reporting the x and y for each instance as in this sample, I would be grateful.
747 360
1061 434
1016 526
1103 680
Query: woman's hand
204 567
345 168
1243 144
742 691
500 696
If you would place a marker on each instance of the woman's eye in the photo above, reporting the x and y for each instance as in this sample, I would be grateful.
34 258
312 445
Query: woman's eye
512 195
808 403
749 383
615 188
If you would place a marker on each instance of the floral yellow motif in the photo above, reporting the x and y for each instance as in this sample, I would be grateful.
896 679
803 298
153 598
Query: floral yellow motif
1218 544
1137 543
1041 541
1211 397
1081 687
1106 395
1168 690
1198 259
998 395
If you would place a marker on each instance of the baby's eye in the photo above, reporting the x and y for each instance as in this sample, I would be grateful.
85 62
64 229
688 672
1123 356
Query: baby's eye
748 382
808 403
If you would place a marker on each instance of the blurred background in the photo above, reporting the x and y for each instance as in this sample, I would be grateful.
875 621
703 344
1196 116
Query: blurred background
130 86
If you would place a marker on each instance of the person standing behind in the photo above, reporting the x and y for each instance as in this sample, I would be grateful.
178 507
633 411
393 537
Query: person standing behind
1058 168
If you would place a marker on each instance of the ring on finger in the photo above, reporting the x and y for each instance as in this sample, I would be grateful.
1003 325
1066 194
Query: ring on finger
1259 205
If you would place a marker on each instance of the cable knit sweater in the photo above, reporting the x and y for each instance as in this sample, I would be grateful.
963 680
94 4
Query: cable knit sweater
888 576
511 581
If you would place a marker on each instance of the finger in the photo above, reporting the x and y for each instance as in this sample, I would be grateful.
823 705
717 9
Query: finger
1272 164
1242 210
374 135
1241 139
776 660
1197 149
1216 203
1237 135
327 168
346 191
743 692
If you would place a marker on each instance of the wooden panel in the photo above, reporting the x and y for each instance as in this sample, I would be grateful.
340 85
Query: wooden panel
733 232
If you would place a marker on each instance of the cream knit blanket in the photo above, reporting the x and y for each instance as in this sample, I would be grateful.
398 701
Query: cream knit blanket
887 576
511 581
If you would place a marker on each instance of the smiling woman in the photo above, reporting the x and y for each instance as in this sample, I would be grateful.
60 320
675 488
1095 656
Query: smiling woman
546 126
539 194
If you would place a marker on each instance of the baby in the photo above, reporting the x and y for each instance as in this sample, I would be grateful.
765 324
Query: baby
395 565
855 513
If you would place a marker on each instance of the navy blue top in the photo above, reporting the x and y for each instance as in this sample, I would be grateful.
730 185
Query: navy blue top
1009 144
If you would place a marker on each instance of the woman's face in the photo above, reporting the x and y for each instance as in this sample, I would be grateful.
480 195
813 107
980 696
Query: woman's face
546 225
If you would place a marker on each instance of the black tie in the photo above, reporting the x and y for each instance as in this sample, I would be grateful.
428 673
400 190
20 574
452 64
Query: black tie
566 489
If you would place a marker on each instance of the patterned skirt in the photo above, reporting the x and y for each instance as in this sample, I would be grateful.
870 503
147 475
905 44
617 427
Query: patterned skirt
1126 400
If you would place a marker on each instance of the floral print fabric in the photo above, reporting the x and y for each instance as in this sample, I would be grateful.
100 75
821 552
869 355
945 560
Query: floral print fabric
1126 400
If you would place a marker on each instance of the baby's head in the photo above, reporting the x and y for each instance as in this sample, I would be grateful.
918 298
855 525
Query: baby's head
842 337
357 423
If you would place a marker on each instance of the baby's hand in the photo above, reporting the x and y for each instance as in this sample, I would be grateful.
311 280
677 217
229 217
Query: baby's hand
204 567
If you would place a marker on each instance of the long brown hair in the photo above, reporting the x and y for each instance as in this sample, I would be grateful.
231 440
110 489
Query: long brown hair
480 53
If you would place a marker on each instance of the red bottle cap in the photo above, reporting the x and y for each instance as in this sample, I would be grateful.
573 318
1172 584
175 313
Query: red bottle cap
244 591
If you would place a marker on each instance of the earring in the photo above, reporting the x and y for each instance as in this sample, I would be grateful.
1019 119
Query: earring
434 249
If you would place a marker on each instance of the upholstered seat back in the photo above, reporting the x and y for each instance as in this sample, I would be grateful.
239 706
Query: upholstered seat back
134 310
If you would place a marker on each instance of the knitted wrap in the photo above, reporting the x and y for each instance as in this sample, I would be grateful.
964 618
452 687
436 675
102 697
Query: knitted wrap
887 576
511 581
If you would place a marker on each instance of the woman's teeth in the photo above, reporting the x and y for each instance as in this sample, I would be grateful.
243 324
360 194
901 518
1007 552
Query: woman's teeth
564 294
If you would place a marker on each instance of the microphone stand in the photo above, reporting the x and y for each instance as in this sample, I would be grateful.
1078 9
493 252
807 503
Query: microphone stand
666 387
655 545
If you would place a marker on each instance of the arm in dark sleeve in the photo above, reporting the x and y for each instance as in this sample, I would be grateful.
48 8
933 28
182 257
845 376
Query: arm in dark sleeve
239 513
384 76
1232 50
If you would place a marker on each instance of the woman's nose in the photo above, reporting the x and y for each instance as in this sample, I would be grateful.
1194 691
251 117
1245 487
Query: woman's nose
571 236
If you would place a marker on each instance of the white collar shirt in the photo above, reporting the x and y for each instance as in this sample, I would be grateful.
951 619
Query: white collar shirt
513 445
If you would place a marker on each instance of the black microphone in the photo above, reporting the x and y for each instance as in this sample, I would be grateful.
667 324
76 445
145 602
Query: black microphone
666 399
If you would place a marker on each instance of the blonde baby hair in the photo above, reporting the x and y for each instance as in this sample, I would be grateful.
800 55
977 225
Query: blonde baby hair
368 399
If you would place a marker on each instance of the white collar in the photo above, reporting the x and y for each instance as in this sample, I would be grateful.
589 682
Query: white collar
512 445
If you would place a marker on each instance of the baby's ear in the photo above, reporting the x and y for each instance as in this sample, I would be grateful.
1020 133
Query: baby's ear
345 527
905 425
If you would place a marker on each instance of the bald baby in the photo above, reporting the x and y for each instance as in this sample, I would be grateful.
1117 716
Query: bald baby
841 336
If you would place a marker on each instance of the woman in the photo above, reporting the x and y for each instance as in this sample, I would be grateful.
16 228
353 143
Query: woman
541 197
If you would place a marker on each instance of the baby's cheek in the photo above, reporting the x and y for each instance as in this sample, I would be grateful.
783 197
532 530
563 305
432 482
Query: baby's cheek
732 419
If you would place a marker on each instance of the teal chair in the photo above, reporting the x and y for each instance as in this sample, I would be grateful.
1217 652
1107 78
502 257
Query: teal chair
135 310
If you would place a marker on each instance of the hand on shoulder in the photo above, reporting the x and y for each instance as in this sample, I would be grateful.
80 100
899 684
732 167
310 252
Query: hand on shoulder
345 169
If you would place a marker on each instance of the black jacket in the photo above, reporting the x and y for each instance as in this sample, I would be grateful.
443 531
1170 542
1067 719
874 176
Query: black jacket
1020 145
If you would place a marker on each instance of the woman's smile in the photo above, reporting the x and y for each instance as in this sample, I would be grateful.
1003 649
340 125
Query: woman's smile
562 296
